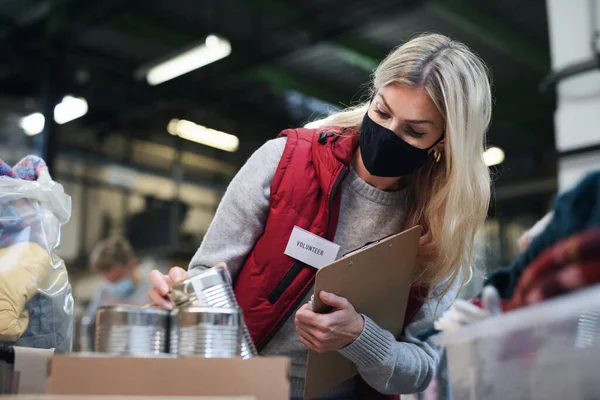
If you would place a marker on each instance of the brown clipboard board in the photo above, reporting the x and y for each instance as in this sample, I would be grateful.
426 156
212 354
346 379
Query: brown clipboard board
376 280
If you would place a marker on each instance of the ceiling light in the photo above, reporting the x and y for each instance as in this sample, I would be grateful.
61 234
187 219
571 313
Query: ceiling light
33 124
213 49
69 109
493 156
203 135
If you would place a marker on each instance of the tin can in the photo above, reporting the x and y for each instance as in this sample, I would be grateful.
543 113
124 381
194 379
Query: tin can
212 287
207 332
131 330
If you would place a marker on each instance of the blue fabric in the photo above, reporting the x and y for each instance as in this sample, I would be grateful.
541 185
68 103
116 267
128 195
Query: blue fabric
49 324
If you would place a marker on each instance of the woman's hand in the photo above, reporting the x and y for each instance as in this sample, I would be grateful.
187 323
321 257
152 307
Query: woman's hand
332 331
163 285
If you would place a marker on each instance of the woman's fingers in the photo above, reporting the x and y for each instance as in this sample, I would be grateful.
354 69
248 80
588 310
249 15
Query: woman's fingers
159 300
163 284
308 344
177 274
307 338
160 282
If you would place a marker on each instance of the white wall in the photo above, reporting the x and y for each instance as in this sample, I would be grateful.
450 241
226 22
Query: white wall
577 118
70 238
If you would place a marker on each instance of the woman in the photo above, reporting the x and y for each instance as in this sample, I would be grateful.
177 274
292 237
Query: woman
410 156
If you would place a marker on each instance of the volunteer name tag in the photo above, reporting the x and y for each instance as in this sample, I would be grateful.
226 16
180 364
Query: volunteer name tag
311 249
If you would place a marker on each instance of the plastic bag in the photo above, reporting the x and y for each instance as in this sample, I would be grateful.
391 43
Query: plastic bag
36 301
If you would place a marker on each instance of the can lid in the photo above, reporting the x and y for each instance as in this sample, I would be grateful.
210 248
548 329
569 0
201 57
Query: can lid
206 310
188 301
194 286
205 278
131 309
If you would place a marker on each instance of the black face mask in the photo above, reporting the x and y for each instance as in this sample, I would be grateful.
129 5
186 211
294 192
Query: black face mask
387 155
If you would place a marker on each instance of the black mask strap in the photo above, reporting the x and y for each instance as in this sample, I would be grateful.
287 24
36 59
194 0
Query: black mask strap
437 141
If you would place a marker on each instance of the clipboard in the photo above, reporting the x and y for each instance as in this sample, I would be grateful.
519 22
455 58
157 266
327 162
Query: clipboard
376 281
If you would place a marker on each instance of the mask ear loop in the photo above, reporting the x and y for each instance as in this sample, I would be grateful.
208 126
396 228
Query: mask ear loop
437 155
437 141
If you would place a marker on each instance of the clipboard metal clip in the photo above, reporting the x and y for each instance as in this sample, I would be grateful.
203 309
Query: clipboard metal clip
367 245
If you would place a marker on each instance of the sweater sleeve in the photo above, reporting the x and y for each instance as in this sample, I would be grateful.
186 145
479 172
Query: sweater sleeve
405 366
241 216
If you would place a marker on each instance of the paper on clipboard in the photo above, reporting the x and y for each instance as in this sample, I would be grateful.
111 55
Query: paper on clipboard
377 282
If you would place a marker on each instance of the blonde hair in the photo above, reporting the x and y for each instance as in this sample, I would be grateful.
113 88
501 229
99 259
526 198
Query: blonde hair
111 251
450 199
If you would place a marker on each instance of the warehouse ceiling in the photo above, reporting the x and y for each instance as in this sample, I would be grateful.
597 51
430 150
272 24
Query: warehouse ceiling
290 61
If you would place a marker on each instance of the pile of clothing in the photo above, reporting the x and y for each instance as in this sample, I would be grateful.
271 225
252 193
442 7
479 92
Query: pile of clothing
564 257
36 304
560 255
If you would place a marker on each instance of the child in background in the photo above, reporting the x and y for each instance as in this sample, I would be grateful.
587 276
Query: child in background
115 260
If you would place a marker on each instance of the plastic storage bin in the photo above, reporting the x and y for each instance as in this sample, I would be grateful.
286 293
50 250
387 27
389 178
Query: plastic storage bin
547 351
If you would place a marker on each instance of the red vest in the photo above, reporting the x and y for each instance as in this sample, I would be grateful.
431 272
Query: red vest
305 192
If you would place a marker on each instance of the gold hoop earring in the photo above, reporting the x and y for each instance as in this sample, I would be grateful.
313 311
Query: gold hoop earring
437 156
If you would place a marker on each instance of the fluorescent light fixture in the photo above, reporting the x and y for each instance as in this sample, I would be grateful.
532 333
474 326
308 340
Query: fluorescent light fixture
493 156
69 109
203 135
33 124
213 49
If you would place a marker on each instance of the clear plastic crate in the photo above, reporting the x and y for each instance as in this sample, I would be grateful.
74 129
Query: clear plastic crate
546 351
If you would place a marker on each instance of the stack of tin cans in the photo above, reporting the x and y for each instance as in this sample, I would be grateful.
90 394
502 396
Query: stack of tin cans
206 322
212 288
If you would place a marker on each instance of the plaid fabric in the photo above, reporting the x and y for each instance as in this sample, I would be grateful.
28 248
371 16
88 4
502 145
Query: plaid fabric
20 220
572 264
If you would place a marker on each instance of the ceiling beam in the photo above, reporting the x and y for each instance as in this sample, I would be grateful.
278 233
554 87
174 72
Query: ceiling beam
492 31
356 52
62 19
146 27
280 82
154 30
258 67
35 15
112 84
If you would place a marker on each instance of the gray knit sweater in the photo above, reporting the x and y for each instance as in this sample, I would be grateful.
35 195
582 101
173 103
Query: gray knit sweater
366 214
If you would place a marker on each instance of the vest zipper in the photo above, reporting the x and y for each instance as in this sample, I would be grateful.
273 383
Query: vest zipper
296 268
334 190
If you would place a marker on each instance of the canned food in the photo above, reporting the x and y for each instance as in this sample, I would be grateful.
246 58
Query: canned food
131 330
207 332
212 288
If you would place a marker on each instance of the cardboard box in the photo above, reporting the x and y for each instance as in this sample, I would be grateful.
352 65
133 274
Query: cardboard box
31 368
265 378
